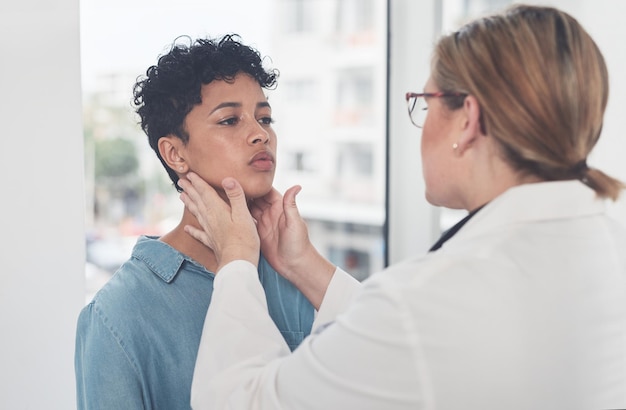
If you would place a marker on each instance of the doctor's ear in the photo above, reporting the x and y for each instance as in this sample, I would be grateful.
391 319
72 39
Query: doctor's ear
171 149
473 125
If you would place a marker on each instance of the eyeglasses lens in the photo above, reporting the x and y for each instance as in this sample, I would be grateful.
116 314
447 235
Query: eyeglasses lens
420 109
417 109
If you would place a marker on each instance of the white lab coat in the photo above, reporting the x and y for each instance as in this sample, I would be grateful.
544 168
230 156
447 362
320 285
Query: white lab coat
524 308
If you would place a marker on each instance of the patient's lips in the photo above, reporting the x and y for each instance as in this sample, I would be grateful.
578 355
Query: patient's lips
263 161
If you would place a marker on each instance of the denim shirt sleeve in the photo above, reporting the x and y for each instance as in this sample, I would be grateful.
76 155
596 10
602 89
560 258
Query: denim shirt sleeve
105 376
292 313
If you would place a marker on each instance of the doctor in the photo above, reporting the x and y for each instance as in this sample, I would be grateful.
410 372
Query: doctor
522 305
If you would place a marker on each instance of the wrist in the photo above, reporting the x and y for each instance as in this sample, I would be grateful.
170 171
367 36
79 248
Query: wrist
311 274
238 253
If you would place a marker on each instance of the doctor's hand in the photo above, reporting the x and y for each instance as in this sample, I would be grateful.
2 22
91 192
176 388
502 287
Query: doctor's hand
228 229
283 233
286 245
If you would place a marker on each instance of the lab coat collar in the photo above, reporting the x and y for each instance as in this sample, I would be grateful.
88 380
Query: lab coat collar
533 203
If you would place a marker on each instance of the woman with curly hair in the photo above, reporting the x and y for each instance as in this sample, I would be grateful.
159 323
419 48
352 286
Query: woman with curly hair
204 110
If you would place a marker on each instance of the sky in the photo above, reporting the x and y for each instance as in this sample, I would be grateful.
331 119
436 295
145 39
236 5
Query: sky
129 35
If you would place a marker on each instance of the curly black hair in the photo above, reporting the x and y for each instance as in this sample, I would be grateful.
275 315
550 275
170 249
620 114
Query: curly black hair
171 88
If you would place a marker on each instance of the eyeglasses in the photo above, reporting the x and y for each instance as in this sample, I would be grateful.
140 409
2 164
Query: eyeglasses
418 108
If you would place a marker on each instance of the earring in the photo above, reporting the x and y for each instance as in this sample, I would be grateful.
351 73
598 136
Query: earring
455 146
181 168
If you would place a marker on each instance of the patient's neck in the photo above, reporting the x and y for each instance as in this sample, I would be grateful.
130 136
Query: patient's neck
180 240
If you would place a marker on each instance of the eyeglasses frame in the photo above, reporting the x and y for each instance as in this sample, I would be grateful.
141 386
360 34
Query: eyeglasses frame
416 96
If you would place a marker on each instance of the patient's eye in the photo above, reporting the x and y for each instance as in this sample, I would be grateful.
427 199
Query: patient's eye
266 120
229 121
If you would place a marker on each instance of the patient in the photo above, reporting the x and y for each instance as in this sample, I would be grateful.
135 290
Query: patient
204 109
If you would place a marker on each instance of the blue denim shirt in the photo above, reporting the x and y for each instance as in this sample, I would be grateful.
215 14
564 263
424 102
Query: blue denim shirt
137 341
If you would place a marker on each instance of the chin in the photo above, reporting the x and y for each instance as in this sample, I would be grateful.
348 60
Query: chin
431 201
256 186
435 201
257 191
430 198
439 202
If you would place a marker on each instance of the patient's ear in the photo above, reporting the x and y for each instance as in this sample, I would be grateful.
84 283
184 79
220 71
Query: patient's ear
172 151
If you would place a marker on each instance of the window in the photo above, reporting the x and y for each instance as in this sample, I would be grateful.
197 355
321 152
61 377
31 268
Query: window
302 91
301 161
355 15
355 261
330 119
299 16
355 161
355 93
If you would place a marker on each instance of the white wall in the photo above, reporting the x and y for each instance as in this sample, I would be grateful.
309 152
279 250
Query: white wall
42 206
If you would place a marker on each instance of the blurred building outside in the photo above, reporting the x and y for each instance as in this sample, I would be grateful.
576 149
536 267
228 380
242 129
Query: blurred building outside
329 108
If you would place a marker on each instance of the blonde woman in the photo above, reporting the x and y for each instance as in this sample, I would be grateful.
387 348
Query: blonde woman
522 305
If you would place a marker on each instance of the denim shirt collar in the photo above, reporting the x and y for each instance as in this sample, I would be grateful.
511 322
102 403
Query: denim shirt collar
162 259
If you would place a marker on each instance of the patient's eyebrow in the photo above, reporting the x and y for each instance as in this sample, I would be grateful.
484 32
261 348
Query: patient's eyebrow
225 105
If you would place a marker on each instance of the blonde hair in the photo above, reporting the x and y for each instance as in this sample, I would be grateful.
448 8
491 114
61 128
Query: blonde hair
542 85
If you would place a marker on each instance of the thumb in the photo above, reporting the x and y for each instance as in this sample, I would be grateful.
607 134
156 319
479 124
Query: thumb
235 195
290 208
